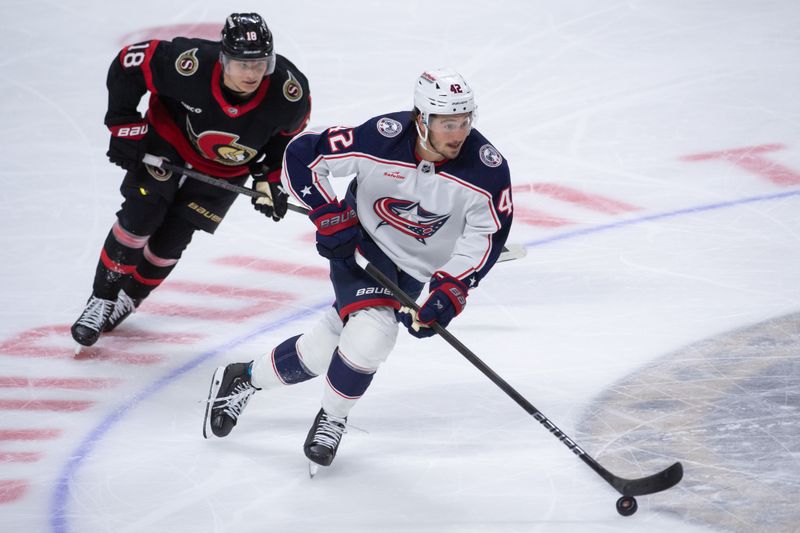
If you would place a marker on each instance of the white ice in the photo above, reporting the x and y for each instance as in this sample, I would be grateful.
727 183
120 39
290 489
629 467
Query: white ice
586 100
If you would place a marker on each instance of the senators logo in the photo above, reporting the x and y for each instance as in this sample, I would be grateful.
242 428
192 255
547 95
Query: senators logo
187 62
292 89
409 218
220 147
159 173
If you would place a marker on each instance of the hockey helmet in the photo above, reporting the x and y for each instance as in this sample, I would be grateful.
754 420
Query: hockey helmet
442 92
246 36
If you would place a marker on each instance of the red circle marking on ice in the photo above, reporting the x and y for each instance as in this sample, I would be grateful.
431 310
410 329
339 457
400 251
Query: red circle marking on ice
202 30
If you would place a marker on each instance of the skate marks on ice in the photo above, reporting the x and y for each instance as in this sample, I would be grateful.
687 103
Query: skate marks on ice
729 408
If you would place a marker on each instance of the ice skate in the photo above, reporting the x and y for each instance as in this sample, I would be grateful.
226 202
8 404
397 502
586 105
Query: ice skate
123 307
323 440
230 391
86 330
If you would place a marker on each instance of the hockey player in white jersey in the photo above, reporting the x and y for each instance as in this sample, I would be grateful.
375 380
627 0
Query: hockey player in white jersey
430 203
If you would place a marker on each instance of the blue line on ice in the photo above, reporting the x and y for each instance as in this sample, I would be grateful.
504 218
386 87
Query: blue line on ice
658 216
58 515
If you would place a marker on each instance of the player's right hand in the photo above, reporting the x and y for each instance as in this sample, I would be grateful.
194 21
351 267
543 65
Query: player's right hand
126 148
338 232
275 202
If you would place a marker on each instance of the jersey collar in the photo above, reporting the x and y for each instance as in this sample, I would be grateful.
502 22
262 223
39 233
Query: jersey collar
233 110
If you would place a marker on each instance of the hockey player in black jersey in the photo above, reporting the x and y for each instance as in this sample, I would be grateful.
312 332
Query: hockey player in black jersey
228 109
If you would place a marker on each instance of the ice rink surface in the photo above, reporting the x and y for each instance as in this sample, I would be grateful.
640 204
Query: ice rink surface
655 157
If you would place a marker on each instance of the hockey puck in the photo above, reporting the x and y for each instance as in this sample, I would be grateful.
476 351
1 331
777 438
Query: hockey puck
627 505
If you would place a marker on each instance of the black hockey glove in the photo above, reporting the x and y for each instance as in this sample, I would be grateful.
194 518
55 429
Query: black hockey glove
275 201
126 148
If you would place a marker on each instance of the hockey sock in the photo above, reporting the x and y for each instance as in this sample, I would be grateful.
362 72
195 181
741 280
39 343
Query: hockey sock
346 383
121 252
151 271
286 362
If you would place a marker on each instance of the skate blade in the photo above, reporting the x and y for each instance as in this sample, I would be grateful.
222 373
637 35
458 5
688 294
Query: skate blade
313 468
216 381
77 351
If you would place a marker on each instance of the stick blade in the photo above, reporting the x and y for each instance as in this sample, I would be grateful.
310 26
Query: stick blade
663 480
511 252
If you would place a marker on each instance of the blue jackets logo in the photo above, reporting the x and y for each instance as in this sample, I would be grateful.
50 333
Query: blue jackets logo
389 127
409 218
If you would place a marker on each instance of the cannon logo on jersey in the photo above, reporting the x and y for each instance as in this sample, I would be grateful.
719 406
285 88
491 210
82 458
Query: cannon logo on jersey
409 218
389 127
187 62
159 174
220 146
490 156
292 89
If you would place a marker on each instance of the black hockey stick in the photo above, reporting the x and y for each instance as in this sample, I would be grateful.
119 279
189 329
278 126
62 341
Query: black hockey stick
509 253
155 161
627 487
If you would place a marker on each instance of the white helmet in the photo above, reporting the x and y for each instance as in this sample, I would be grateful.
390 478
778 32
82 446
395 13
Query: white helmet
442 92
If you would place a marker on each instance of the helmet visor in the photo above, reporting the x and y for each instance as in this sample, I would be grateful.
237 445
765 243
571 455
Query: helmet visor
265 64
451 123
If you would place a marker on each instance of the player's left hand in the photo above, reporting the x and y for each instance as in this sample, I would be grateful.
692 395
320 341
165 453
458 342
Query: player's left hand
275 202
447 297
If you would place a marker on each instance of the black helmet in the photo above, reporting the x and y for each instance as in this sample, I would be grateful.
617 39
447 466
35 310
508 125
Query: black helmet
246 36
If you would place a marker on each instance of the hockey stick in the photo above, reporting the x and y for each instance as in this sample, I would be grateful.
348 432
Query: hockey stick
509 253
155 161
627 487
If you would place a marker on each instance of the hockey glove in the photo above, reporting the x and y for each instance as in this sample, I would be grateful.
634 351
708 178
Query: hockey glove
338 232
447 297
126 148
275 202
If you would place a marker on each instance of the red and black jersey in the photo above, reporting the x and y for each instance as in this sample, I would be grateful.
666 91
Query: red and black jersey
191 109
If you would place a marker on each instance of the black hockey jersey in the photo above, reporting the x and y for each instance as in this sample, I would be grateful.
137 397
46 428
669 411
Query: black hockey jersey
190 109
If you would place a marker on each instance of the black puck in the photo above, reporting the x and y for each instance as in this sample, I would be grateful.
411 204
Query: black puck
627 505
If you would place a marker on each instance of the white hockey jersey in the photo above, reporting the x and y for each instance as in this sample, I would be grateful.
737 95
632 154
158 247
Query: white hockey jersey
453 216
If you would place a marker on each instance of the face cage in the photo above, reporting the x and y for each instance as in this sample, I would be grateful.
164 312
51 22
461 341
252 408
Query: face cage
225 59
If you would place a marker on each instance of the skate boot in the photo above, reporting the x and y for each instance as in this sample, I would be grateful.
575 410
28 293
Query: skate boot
230 391
86 330
323 439
123 307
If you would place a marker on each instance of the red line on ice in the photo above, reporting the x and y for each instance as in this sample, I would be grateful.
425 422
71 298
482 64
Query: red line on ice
750 159
261 301
19 457
28 434
534 217
269 265
12 490
594 202
45 405
58 383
